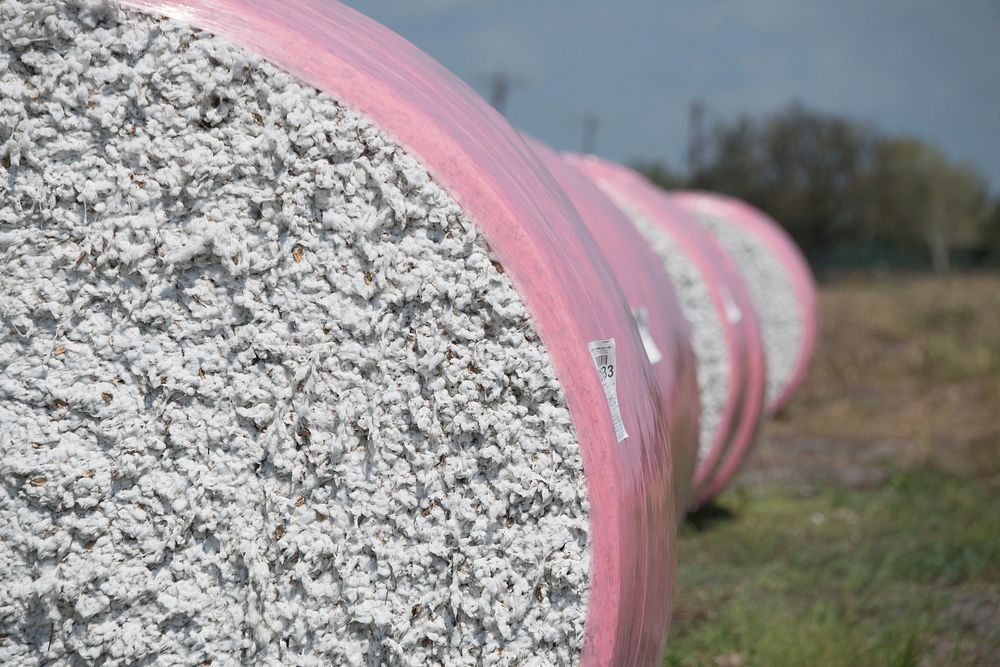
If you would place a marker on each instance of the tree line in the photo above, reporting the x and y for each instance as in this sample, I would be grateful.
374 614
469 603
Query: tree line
840 187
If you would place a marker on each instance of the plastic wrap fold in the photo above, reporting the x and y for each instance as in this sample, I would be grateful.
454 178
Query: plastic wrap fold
774 238
745 391
654 305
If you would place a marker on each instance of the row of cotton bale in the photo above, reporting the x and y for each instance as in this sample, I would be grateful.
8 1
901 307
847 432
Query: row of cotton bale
308 357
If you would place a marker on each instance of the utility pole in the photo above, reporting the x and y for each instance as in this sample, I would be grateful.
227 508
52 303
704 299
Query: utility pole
591 123
696 138
499 85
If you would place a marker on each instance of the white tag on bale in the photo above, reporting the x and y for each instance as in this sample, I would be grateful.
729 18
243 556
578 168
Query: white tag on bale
733 311
605 358
641 316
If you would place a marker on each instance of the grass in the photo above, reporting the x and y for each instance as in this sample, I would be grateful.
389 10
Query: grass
822 576
915 359
866 528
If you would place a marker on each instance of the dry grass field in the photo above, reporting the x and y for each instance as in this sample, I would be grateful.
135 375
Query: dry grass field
865 530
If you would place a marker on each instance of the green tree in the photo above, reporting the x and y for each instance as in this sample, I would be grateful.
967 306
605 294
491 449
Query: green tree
832 181
805 168
918 198
989 247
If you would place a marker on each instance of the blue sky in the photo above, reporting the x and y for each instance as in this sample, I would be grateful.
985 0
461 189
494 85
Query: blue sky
921 67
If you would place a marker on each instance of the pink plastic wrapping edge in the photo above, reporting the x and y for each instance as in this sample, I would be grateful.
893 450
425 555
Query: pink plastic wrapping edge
784 248
646 284
553 262
745 393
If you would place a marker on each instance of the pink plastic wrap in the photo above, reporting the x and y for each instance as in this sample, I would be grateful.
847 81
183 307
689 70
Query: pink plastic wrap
651 296
784 248
745 393
556 266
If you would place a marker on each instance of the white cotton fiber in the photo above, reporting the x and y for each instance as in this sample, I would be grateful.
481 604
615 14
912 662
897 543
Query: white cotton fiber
265 396
771 293
708 337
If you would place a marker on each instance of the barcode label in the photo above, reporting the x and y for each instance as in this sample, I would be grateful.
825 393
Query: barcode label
605 359
641 316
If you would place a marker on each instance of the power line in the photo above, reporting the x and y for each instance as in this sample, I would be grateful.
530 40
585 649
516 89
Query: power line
696 138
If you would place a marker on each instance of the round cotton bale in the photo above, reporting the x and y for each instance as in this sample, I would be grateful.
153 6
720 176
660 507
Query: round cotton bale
659 319
296 360
724 330
779 281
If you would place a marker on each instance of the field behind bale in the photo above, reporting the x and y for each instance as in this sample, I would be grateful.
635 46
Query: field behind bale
865 530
